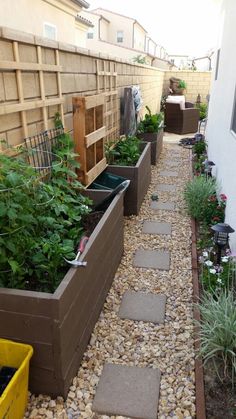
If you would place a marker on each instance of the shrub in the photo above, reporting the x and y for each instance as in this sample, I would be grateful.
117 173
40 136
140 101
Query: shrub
202 109
199 148
196 195
218 333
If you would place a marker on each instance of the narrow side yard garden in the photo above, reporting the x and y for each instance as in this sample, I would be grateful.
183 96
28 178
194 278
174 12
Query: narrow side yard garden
168 347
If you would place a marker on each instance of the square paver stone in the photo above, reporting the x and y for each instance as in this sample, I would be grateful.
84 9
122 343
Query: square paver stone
168 173
128 391
154 227
166 188
168 206
152 259
173 163
143 307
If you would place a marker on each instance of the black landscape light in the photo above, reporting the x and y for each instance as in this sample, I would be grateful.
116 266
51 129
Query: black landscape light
221 237
208 164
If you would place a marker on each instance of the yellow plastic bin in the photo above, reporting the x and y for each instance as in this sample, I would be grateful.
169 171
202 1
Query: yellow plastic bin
13 400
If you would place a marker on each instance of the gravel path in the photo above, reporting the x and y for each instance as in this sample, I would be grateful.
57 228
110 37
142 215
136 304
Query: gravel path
168 347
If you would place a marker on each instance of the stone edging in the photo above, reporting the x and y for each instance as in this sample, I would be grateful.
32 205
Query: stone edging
199 375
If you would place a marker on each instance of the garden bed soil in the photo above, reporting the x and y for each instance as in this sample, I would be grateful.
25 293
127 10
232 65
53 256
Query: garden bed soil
156 140
220 397
140 178
59 325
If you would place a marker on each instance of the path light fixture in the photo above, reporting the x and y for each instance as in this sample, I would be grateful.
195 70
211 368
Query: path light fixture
208 164
221 237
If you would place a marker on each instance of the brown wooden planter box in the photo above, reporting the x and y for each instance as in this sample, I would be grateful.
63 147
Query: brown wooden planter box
139 176
59 325
156 140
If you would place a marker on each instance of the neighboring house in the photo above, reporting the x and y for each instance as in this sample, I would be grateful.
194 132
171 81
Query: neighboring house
221 126
179 61
123 37
54 19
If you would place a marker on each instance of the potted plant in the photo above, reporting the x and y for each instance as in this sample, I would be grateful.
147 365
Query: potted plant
130 159
43 301
150 129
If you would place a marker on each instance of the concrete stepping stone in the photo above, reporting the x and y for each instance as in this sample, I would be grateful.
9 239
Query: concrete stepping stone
154 227
156 259
168 173
168 206
128 391
143 307
166 188
173 163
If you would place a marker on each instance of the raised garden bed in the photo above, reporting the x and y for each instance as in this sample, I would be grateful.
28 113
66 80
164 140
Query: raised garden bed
156 140
139 176
59 325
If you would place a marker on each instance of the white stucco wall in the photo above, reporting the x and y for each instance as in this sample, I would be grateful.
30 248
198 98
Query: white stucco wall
221 140
30 16
118 23
139 37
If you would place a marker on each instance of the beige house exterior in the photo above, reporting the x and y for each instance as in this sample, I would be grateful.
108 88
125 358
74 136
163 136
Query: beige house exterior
53 19
122 36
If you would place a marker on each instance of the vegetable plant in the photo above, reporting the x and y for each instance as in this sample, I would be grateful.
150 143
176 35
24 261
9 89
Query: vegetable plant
125 152
151 122
40 220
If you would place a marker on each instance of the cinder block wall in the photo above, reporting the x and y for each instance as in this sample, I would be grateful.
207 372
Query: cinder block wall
198 82
77 76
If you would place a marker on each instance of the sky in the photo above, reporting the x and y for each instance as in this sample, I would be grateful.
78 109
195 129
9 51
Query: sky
186 27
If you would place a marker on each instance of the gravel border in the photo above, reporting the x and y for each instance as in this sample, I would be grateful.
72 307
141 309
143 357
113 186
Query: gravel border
169 347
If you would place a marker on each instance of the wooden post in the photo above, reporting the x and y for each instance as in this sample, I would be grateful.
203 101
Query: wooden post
42 88
20 88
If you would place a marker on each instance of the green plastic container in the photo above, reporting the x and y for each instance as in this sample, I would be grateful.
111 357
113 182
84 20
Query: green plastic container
107 181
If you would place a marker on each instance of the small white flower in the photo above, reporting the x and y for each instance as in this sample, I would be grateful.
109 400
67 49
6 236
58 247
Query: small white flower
225 259
208 263
212 271
219 281
205 254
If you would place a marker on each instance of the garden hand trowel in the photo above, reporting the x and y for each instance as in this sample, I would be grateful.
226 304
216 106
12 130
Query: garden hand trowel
76 263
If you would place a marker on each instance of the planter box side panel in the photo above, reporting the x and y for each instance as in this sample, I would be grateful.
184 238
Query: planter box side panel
103 259
88 328
130 200
156 140
143 174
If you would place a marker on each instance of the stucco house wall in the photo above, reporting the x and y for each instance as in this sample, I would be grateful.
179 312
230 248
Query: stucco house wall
118 23
139 37
221 139
60 13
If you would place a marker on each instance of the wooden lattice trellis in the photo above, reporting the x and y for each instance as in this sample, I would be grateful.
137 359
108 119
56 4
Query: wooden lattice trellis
107 84
24 105
89 135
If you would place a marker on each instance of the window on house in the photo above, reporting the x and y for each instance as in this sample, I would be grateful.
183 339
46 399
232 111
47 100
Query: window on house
90 34
120 36
217 64
50 31
233 123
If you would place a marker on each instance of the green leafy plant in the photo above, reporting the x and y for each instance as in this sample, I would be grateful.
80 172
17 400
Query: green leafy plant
218 333
203 110
140 59
199 148
151 122
197 194
125 152
40 221
216 278
182 84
